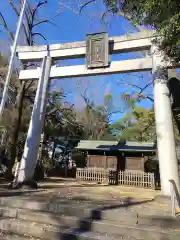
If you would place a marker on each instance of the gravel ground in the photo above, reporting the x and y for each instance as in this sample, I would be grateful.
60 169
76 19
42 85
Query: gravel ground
56 188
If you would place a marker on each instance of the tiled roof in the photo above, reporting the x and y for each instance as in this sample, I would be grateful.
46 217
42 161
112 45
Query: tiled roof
117 146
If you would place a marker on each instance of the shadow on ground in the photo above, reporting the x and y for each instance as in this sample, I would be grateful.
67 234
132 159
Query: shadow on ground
58 180
7 191
86 224
75 206
12 193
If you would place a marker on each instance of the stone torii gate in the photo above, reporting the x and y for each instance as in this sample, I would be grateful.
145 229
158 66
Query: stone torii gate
128 43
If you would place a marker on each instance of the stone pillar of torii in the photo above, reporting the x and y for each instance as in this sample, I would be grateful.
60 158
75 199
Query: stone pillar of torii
167 157
135 42
30 154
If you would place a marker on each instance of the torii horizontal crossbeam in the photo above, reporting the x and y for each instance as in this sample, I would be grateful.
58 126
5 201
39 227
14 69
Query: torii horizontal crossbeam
128 43
133 65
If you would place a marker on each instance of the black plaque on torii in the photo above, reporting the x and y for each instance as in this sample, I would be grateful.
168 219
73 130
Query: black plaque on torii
97 50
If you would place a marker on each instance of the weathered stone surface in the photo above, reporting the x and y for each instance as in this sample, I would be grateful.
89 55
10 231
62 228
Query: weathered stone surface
98 227
88 214
11 236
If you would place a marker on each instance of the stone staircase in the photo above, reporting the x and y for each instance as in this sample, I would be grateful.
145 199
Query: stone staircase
77 219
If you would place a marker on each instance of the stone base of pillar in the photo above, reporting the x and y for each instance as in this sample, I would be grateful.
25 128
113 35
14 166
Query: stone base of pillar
162 198
26 185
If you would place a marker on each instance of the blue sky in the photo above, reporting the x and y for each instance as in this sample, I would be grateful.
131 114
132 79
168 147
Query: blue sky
73 27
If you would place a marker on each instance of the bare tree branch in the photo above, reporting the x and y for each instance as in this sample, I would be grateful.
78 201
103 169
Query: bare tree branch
40 22
85 4
34 11
3 22
68 7
14 8
39 34
105 14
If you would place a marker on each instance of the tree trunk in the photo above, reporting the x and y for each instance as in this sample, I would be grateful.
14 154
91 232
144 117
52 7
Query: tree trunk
15 130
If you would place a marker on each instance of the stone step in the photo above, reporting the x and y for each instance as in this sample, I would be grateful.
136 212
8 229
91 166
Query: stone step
125 217
11 236
69 236
64 200
75 235
62 207
30 228
20 228
97 229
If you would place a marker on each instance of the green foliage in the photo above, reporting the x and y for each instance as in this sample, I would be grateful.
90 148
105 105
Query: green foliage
47 163
137 125
108 102
61 117
161 15
23 92
112 5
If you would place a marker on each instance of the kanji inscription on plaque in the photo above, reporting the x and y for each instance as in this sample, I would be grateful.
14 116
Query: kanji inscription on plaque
97 50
